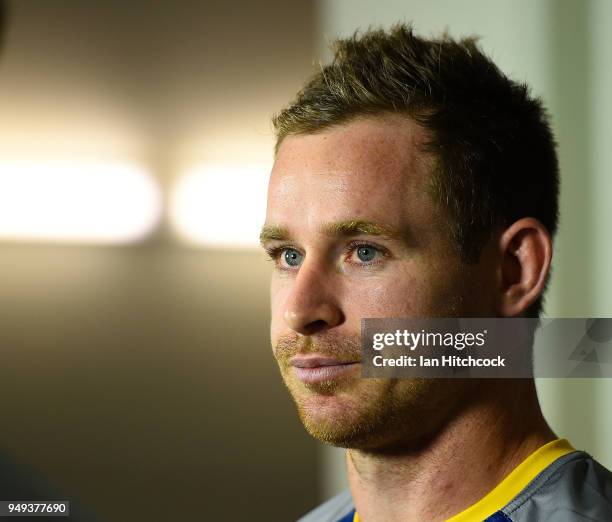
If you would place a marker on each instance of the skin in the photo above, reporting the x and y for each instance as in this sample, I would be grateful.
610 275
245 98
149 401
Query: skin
354 233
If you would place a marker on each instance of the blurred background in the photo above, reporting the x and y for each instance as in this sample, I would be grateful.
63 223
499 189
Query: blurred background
136 374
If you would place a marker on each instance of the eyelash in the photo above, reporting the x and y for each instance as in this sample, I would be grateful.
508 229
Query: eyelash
275 252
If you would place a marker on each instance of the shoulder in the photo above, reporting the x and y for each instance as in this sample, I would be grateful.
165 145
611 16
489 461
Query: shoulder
332 510
573 488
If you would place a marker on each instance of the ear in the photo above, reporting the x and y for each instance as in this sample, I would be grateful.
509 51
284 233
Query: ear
526 252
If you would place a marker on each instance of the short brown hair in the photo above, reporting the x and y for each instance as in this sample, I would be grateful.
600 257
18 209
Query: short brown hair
494 149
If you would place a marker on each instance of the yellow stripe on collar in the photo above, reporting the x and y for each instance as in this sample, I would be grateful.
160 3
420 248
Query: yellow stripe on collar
513 484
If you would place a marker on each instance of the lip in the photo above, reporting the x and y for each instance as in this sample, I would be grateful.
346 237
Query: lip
316 369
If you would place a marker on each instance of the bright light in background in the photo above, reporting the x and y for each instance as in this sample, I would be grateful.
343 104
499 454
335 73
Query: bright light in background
221 206
77 203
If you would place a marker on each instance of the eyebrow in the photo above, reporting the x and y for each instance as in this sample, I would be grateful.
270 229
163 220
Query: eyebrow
357 227
353 227
273 233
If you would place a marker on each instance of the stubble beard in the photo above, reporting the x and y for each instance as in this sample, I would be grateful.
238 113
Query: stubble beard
356 412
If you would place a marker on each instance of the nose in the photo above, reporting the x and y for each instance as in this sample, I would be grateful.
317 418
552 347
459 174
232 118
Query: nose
312 305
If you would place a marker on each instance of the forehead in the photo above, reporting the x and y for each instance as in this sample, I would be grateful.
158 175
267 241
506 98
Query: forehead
370 168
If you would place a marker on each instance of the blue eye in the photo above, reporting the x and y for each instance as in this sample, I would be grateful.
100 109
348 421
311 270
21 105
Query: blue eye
366 253
292 257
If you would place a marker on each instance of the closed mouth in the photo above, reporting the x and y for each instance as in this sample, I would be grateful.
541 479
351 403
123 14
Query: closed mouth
315 369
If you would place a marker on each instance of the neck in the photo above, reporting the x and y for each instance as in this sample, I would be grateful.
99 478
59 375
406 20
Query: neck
455 466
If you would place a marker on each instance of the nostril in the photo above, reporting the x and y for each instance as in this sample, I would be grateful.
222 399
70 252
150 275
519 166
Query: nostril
315 326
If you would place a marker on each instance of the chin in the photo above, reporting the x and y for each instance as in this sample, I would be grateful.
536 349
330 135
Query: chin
341 418
373 414
350 433
337 432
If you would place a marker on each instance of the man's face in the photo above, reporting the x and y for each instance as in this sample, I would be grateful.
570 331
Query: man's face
355 234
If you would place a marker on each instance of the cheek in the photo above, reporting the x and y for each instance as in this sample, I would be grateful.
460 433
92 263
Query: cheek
278 298
405 295
384 299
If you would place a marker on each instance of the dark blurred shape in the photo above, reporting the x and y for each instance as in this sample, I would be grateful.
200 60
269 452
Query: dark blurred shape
3 21
19 482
